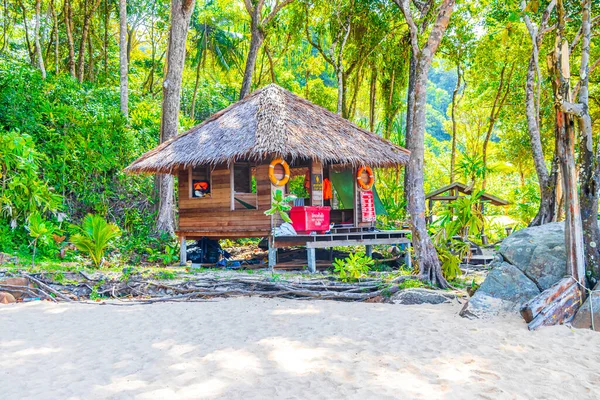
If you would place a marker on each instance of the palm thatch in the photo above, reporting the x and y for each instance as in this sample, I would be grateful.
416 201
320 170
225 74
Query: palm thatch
271 122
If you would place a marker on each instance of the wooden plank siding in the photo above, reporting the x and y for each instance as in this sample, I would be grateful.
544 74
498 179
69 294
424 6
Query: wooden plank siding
213 217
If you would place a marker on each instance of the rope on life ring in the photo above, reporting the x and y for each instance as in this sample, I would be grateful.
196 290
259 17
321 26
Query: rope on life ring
365 186
286 169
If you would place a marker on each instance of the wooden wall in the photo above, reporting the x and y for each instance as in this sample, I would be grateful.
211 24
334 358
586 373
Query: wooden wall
213 216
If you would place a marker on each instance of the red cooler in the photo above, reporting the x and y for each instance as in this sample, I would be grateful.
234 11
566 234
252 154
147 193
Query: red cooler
308 219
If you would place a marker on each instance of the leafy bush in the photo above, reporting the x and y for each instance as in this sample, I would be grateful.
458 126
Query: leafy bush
22 191
281 205
354 267
95 236
40 231
450 263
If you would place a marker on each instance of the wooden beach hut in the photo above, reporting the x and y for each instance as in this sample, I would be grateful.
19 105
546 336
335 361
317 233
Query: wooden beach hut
229 166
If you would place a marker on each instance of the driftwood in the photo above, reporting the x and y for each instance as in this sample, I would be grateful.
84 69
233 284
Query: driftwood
209 286
562 302
534 306
46 287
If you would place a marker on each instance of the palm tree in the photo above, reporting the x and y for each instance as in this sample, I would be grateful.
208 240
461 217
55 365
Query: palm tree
222 44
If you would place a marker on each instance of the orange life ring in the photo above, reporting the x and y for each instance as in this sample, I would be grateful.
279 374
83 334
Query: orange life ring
286 169
365 186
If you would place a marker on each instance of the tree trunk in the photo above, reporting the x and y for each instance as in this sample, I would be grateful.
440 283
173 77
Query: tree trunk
494 113
181 12
196 84
54 13
255 42
91 64
372 98
5 27
410 106
547 181
427 258
85 29
105 52
590 168
428 262
123 64
68 11
30 51
453 116
38 46
566 150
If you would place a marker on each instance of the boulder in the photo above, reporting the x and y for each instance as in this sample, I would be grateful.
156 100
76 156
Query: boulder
421 296
18 294
6 298
539 252
504 290
583 318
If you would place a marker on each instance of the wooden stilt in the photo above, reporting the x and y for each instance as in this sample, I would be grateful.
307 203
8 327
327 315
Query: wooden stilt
272 255
312 260
407 258
369 250
183 252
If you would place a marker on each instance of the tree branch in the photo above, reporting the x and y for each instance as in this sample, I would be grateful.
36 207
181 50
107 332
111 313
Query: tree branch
278 6
572 108
412 27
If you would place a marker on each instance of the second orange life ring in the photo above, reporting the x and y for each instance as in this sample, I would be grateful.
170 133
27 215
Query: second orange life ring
361 183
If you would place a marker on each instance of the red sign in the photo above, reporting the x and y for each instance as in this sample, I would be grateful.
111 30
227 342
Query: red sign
367 206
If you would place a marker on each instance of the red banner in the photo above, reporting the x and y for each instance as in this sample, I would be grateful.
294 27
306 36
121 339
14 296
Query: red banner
367 206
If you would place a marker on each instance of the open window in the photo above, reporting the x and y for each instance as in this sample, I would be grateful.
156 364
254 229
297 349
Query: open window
199 182
244 186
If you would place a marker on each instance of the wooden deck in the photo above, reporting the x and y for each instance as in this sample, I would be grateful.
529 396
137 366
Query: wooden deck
338 237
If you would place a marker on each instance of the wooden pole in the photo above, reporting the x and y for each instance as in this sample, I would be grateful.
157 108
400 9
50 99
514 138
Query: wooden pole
183 252
312 260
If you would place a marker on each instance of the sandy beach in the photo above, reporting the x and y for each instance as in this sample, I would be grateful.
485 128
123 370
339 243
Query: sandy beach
252 348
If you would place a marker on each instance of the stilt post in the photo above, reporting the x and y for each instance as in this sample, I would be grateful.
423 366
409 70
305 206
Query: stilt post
183 252
312 260
272 254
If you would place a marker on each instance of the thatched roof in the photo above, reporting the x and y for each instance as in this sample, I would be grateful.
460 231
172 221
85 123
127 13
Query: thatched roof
271 122
455 188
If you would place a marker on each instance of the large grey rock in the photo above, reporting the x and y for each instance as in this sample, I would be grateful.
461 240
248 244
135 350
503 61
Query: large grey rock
539 252
504 290
421 296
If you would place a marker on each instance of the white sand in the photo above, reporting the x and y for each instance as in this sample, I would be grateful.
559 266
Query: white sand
252 348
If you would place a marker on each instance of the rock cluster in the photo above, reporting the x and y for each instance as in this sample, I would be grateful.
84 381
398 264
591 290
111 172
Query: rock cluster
528 262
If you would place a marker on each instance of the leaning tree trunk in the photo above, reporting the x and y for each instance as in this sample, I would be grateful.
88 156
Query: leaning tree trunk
123 64
256 42
181 12
546 181
38 46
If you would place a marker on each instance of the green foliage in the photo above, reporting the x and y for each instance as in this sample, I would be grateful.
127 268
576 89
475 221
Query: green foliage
411 283
280 205
22 190
166 275
450 262
354 267
95 236
40 231
461 216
